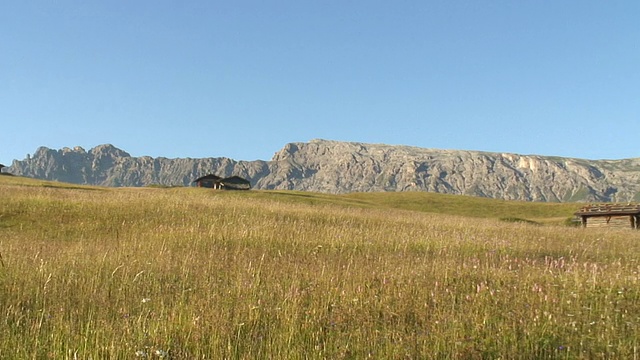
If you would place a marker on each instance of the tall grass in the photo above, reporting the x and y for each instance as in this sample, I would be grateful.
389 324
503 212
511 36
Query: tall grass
197 274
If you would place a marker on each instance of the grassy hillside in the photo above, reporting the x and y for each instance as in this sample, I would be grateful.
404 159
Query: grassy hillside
468 206
187 273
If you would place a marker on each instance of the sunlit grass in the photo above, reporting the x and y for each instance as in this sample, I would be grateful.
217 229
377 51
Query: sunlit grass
196 274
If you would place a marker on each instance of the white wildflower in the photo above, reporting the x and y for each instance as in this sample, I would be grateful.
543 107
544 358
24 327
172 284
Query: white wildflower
160 353
141 353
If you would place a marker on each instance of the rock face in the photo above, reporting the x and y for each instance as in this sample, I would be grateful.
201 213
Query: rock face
107 165
341 167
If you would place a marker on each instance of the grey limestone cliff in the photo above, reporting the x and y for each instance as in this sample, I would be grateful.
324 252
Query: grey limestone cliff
341 167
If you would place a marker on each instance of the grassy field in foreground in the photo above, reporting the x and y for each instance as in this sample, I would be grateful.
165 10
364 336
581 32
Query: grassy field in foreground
188 273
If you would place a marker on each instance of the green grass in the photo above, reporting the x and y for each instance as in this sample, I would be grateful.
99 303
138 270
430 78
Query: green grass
198 274
467 206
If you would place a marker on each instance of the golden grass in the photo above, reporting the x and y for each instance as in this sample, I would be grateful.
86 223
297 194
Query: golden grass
188 273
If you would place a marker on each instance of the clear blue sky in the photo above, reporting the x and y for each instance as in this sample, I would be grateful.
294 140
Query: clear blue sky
242 78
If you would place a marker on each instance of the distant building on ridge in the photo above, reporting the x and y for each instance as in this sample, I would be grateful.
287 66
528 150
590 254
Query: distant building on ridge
208 181
216 182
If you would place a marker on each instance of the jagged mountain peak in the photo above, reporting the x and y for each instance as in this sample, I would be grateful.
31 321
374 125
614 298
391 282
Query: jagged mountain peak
339 167
108 150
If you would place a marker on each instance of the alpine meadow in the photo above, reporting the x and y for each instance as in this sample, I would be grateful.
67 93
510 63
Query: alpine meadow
189 273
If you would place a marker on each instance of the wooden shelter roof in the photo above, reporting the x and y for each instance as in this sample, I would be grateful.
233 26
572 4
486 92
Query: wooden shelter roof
235 180
208 177
609 210
236 183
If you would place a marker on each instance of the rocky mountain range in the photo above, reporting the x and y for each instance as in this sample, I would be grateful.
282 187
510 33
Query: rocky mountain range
341 167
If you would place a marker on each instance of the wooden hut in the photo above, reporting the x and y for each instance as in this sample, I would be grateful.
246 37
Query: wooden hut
208 181
610 216
235 183
216 182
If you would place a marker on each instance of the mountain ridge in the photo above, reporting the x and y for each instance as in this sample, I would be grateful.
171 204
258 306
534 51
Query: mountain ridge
341 167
